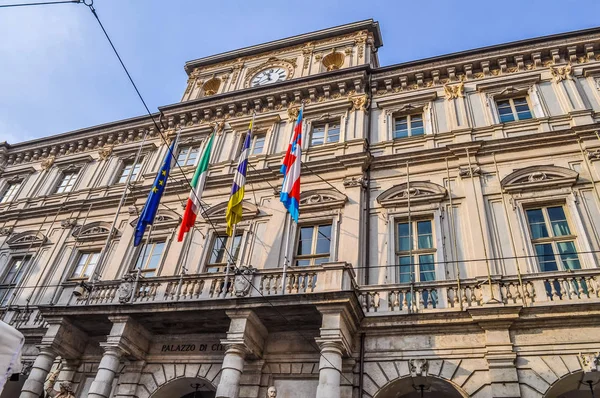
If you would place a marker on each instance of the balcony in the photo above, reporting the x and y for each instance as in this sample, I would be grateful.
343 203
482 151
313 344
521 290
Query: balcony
551 288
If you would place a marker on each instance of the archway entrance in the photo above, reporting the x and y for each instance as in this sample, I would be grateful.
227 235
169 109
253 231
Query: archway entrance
426 387
572 386
185 387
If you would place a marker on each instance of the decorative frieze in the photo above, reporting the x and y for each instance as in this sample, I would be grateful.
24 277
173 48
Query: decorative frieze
562 73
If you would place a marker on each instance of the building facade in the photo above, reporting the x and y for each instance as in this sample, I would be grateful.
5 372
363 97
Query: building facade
448 241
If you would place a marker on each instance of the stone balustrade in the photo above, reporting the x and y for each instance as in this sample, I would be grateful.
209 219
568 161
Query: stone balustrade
548 288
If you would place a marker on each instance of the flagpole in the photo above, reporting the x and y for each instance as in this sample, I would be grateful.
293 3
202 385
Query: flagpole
410 243
139 270
230 260
288 230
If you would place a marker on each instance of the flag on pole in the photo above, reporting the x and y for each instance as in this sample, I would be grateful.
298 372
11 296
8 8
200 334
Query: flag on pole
151 205
290 191
233 214
193 203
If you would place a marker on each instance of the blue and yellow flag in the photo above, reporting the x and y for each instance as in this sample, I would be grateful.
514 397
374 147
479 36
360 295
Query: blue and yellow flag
151 206
233 214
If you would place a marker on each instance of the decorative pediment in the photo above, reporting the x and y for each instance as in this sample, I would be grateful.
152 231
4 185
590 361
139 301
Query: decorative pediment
288 63
97 230
538 178
216 213
26 239
420 192
321 199
163 219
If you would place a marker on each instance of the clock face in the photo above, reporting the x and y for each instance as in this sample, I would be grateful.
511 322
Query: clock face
269 76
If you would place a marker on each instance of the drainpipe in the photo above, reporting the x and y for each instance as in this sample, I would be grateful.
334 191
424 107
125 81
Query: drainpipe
367 205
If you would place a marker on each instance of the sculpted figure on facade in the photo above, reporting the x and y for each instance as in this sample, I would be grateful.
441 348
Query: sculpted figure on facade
66 389
418 367
272 392
562 73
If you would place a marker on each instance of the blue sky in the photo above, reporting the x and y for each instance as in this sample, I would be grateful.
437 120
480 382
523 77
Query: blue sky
58 74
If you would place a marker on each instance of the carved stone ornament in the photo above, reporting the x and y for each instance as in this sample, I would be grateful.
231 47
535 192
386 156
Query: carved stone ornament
537 176
562 73
593 154
287 63
456 91
48 162
125 289
293 112
359 102
68 223
26 367
105 152
355 182
6 231
590 362
540 177
420 192
272 392
474 171
418 367
243 281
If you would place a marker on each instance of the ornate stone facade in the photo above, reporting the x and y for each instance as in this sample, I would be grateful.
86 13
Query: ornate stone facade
447 244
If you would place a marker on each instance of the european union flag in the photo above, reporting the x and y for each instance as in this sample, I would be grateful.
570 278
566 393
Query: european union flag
151 206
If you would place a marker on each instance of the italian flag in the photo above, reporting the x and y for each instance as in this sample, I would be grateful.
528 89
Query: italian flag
193 203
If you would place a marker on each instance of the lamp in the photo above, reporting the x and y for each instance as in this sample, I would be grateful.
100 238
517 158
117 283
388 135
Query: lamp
81 288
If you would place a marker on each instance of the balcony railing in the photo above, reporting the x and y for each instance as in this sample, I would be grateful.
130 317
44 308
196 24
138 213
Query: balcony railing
533 290
327 277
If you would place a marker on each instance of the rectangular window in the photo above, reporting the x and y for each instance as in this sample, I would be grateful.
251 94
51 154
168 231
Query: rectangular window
10 193
512 109
129 168
188 155
415 238
11 279
325 133
314 245
149 258
67 182
552 239
408 126
258 144
220 251
85 265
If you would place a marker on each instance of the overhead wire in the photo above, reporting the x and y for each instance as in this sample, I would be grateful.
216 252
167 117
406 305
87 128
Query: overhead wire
45 3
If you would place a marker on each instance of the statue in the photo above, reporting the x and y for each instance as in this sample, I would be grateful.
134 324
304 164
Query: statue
66 389
272 392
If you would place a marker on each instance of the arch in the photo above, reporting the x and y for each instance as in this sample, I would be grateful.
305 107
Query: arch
421 192
92 231
216 213
319 199
408 387
26 239
571 386
182 388
539 177
163 219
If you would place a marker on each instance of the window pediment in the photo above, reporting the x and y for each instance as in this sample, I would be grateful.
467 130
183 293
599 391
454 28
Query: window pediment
26 239
505 86
321 199
216 213
421 192
538 178
97 230
163 219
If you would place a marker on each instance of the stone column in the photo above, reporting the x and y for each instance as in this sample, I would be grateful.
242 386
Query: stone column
109 366
34 385
330 370
231 372
245 338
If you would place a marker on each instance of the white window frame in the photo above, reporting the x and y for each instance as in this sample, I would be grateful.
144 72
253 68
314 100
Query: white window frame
124 164
86 266
409 122
326 124
68 176
140 252
514 113
255 138
8 193
8 287
314 240
187 156
416 252
213 267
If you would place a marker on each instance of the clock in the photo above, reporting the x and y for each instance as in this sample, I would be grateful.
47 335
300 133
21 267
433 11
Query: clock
269 76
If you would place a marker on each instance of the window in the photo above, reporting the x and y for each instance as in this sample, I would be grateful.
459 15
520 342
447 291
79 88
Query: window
149 258
408 126
512 109
11 279
257 145
86 265
10 193
220 251
325 133
314 245
188 155
415 238
67 182
129 168
552 239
